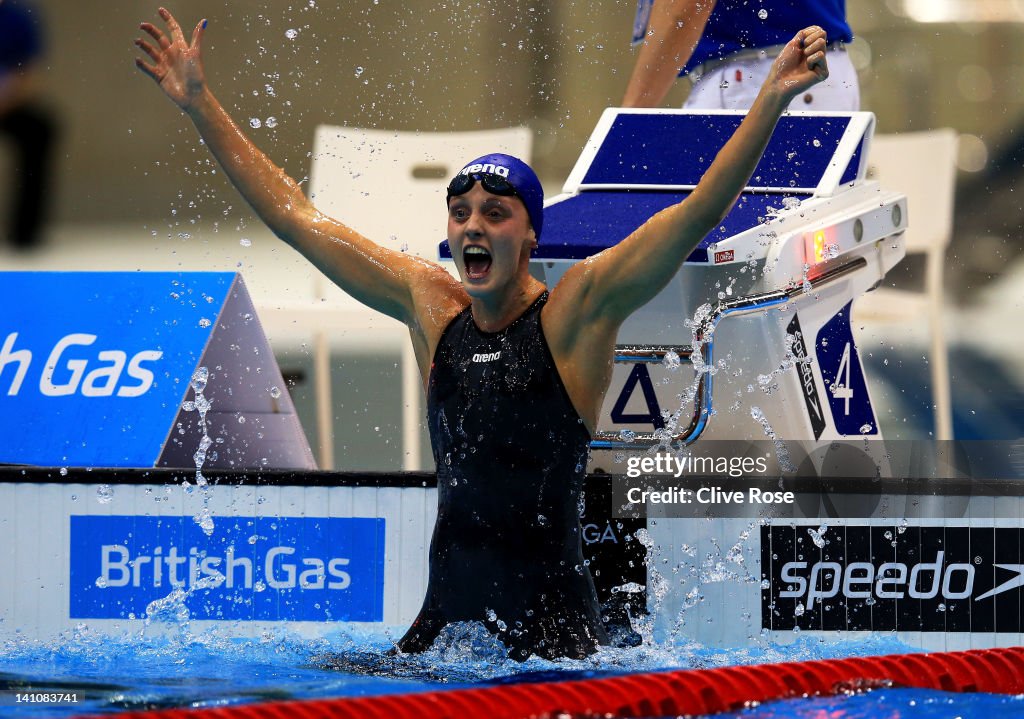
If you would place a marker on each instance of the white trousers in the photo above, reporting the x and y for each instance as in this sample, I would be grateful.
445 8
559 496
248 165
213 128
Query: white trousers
734 85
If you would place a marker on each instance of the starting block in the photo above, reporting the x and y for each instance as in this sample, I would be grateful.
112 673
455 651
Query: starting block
761 308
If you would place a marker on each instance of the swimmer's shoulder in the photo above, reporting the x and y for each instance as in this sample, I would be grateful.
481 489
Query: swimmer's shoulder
573 306
437 299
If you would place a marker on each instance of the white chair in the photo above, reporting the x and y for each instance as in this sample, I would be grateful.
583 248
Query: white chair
390 186
921 165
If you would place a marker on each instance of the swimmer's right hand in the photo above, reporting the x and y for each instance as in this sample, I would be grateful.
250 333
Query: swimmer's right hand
177 65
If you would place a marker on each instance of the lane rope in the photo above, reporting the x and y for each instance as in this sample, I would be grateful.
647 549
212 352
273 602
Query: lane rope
692 691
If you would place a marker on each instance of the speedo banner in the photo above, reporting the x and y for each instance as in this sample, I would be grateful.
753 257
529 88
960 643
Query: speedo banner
892 578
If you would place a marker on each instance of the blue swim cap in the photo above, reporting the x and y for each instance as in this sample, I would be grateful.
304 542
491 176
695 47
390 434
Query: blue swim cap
518 174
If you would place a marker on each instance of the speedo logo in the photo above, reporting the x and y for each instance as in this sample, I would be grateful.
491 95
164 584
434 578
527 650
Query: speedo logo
487 356
815 412
487 168
888 580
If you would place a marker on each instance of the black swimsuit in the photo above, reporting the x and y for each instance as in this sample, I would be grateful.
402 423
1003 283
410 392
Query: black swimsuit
511 455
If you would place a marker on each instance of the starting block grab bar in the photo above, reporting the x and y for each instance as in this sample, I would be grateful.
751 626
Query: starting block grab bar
704 333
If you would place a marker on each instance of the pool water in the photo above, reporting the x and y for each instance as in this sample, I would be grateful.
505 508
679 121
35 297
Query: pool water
889 704
147 672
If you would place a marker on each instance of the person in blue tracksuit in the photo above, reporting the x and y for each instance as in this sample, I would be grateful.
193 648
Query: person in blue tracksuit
726 49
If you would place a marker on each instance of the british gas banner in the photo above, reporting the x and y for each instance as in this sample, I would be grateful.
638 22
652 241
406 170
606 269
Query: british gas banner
251 568
94 365
96 368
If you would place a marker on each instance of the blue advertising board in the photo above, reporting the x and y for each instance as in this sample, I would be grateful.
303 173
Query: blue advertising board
96 368
94 365
252 568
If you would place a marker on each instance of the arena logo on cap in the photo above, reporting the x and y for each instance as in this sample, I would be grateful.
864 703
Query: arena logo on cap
487 168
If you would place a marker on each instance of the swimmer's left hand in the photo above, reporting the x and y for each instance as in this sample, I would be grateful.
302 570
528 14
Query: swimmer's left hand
801 64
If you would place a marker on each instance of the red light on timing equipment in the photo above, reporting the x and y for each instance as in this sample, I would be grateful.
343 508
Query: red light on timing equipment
819 246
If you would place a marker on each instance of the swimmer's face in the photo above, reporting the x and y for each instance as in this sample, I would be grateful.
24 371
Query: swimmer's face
490 237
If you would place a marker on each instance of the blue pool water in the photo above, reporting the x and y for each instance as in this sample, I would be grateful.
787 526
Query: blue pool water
203 671
889 704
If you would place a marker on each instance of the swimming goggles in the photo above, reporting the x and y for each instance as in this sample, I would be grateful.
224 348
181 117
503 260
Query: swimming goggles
495 184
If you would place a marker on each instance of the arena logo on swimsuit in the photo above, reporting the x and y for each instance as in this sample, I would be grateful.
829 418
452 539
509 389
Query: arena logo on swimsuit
67 370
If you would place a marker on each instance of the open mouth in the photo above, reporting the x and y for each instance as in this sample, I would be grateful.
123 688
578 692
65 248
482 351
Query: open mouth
477 261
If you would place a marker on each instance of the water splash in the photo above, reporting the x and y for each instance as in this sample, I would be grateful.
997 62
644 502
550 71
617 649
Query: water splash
818 536
700 336
201 404
658 588
172 610
781 450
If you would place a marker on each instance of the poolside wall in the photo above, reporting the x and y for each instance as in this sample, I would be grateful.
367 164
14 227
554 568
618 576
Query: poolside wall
326 553
299 552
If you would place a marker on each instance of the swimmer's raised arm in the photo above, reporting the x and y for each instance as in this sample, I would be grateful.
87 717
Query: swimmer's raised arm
595 296
391 282
625 277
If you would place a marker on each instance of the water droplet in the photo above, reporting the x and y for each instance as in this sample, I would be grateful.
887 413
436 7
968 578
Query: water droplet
204 322
762 14
245 242
254 123
291 33
359 71
104 493
671 360
63 471
271 122
275 392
